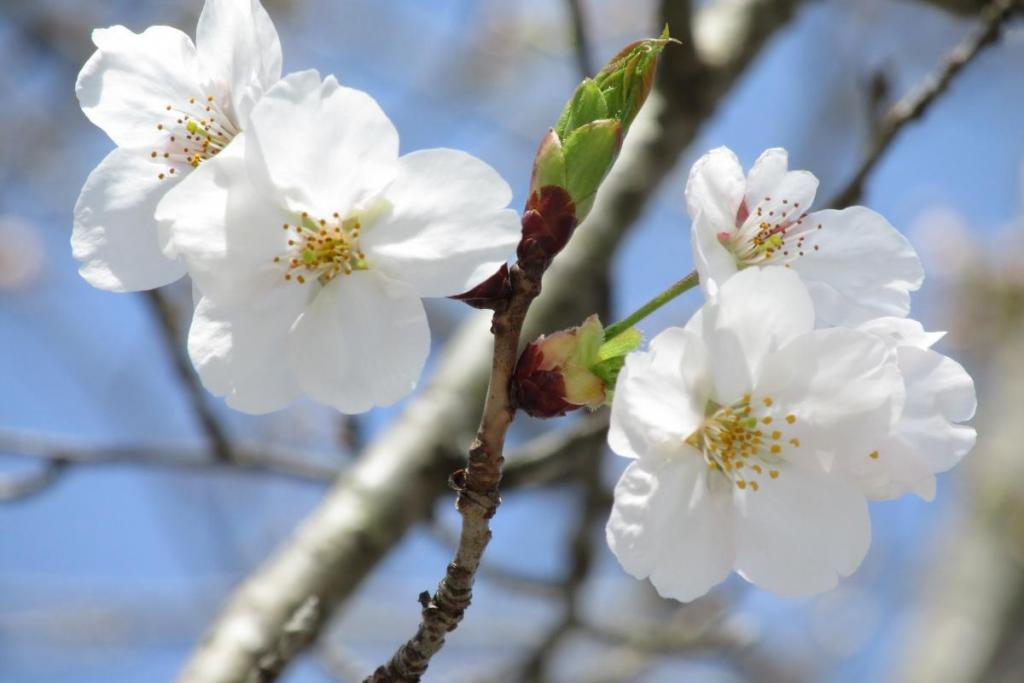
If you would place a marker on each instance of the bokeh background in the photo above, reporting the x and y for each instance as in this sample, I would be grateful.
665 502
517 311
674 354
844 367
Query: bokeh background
110 571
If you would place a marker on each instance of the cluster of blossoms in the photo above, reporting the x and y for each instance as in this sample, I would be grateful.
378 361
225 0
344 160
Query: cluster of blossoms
309 240
757 431
799 390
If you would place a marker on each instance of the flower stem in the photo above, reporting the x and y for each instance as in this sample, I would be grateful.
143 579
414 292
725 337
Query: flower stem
687 283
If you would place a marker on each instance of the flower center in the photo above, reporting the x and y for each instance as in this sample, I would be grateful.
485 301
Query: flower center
775 231
323 248
744 446
192 133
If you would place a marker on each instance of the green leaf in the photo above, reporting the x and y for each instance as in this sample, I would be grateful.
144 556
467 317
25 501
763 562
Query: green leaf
589 153
587 104
627 79
549 164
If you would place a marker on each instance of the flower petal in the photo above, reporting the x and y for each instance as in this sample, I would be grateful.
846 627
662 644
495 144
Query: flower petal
800 532
940 394
901 332
715 188
115 235
449 228
239 50
226 228
893 468
766 174
238 351
659 397
127 84
714 262
842 389
857 266
927 438
666 523
755 312
325 147
362 342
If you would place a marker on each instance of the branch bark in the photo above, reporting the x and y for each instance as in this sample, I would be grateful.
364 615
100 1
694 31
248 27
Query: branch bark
478 492
395 483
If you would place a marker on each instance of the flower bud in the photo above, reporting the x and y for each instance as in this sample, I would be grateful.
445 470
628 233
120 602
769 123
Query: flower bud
559 373
579 151
627 79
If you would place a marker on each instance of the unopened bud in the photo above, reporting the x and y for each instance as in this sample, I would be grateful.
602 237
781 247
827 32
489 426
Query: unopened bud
627 79
561 372
580 150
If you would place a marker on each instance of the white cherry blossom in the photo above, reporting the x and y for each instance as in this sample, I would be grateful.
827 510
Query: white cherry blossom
169 105
855 265
735 424
928 437
312 243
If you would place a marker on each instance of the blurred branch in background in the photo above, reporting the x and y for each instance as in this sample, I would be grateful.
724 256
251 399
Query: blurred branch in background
546 460
508 579
277 460
396 481
581 38
16 486
174 343
912 107
969 623
581 552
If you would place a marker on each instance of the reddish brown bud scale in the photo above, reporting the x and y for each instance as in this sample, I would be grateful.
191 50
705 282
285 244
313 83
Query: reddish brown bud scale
548 223
492 294
539 393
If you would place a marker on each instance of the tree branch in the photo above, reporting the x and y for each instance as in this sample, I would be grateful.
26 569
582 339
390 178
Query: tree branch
915 105
396 481
967 616
581 38
163 310
556 456
478 495
281 461
549 459
20 486
510 579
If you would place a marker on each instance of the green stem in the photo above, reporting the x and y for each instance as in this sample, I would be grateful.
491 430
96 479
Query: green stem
687 283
